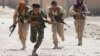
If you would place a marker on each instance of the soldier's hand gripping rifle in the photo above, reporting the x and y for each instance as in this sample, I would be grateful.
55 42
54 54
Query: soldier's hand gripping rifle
65 24
12 28
84 13
61 21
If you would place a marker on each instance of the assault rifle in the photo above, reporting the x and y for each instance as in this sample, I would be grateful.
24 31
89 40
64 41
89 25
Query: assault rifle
12 28
59 19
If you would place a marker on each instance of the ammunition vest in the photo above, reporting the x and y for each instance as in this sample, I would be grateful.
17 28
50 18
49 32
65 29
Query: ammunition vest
56 17
79 9
38 19
21 16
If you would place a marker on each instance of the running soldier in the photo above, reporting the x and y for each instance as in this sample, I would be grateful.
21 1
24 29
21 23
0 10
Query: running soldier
56 14
19 17
79 11
37 22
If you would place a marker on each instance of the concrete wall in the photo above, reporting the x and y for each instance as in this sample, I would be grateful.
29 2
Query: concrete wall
11 3
93 5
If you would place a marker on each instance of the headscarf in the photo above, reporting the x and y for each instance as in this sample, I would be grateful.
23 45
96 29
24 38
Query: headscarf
79 3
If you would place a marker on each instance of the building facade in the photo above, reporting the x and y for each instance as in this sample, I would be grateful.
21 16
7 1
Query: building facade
93 5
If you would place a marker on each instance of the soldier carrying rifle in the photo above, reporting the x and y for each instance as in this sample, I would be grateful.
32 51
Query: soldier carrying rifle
56 14
19 17
37 19
79 11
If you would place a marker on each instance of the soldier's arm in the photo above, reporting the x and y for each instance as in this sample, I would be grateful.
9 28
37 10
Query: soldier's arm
86 9
15 15
28 16
48 13
44 14
71 11
63 13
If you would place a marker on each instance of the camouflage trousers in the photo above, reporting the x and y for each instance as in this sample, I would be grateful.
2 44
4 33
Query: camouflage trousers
79 27
23 31
57 29
37 35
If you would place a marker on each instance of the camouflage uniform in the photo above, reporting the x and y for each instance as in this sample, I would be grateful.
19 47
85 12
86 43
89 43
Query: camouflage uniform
37 27
79 20
22 24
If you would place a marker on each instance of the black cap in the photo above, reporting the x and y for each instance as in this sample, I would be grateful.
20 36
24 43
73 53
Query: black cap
54 2
36 6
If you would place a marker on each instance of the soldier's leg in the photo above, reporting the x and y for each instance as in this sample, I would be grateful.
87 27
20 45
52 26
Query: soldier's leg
81 29
77 28
40 38
55 40
23 40
79 33
20 32
24 35
33 34
60 31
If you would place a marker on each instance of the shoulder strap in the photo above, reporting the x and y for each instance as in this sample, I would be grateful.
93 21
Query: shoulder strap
82 8
26 10
50 11
59 12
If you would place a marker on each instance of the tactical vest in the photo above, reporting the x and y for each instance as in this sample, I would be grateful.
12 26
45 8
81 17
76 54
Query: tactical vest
37 18
56 17
21 17
79 9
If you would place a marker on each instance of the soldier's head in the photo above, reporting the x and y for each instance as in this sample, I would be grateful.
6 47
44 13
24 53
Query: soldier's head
36 8
79 2
54 4
22 4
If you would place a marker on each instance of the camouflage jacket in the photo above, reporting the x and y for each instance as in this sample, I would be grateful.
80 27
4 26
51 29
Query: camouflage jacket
37 20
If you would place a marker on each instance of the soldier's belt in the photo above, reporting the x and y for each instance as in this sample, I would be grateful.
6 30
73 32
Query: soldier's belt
76 17
35 23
